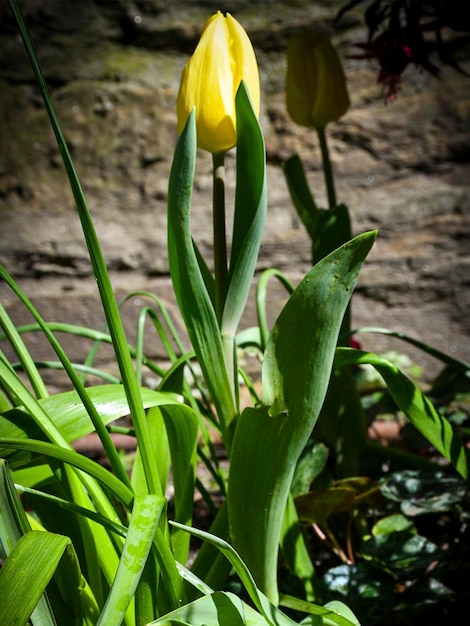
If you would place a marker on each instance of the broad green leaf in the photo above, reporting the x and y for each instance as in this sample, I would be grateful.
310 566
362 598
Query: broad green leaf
269 440
140 535
188 282
393 523
13 524
26 573
70 417
347 494
310 465
415 405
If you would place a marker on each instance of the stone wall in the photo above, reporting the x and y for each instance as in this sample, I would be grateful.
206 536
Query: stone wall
113 70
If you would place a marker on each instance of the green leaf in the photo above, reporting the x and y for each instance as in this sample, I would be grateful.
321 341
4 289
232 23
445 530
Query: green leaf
26 573
250 211
216 609
402 551
415 405
367 590
332 614
300 193
425 492
108 480
296 552
142 526
188 281
182 431
70 417
272 615
14 524
296 371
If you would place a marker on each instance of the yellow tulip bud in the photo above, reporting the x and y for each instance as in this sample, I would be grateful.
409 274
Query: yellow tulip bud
223 58
316 89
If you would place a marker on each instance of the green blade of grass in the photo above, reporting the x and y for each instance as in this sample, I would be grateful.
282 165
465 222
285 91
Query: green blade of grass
22 352
271 614
108 300
65 455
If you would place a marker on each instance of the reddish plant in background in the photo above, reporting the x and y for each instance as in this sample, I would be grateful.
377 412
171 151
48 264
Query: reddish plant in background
404 32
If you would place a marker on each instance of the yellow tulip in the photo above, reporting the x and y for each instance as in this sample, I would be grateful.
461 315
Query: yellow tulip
223 58
316 89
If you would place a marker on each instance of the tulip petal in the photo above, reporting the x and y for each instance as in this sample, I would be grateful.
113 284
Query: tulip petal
222 59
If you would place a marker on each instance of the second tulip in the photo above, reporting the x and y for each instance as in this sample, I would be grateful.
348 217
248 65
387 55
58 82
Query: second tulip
316 89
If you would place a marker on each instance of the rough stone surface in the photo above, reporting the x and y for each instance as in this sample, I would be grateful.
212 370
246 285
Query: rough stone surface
113 70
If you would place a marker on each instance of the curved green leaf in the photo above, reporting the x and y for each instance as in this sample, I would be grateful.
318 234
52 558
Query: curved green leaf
296 372
250 210
415 405
218 608
188 282
70 417
26 573
65 455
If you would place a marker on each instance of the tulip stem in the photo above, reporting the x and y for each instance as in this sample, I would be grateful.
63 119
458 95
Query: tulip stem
220 237
327 169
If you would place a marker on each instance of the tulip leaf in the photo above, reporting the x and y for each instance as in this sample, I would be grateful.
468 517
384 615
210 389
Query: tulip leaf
296 372
250 210
415 405
189 285
300 193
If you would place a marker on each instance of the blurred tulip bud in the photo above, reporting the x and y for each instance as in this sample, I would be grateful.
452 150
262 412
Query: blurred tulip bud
223 58
316 89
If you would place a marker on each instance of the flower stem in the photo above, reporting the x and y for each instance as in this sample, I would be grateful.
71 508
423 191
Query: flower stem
220 238
327 169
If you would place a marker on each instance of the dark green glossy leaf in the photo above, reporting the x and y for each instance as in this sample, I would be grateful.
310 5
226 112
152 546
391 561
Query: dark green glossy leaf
366 590
401 551
424 492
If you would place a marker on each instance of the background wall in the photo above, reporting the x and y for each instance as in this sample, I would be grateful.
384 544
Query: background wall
113 68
